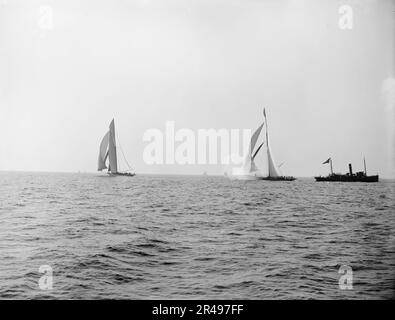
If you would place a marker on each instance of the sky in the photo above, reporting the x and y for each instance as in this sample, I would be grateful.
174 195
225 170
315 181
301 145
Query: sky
328 92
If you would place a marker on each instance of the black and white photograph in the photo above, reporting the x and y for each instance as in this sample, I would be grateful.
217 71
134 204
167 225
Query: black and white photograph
197 150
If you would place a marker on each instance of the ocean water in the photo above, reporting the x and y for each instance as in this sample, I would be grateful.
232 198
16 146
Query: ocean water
194 237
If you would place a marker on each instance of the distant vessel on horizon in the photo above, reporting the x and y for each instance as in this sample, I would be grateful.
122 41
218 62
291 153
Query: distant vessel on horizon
360 176
108 150
249 170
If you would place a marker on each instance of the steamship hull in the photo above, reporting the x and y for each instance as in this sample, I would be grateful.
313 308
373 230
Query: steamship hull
347 178
360 176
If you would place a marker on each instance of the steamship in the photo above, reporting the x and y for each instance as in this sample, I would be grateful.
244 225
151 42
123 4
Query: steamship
360 176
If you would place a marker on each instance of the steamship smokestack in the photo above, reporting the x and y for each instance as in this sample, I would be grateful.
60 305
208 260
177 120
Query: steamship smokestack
350 168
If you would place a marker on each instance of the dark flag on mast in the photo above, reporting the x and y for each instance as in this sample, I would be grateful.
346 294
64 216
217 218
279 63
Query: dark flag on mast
327 161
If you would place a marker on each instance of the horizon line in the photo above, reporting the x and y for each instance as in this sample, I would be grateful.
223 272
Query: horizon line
148 173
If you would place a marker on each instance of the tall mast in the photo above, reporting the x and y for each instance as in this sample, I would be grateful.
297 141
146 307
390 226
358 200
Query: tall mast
364 165
267 142
330 161
267 135
272 168
112 150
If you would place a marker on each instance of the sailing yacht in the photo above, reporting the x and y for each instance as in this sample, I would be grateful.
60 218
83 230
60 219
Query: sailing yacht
249 170
108 150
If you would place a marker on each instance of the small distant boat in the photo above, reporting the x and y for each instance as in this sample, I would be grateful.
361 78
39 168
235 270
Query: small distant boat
360 176
108 150
250 171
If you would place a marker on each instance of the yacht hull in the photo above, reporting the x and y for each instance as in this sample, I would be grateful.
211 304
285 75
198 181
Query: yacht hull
281 178
246 177
252 177
122 174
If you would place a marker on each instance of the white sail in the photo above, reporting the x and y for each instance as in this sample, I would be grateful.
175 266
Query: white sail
255 137
249 164
112 149
272 167
273 170
103 152
249 170
254 168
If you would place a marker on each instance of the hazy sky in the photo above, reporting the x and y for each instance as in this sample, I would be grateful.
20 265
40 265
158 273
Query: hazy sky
203 64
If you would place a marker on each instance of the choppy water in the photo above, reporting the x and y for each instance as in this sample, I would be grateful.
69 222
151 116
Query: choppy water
194 237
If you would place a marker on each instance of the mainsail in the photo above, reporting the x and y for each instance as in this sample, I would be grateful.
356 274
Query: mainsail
112 150
273 170
108 150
